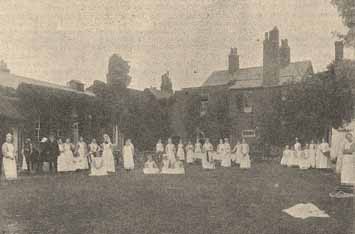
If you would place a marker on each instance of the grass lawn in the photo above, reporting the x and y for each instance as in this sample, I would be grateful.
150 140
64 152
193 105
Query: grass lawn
222 201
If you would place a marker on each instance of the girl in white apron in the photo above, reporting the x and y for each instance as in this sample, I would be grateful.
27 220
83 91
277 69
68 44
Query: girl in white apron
245 160
9 159
189 153
180 152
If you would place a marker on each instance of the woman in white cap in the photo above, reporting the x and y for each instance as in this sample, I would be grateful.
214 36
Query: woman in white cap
9 160
108 155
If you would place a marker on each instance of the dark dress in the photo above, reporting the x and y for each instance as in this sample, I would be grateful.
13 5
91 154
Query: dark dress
51 154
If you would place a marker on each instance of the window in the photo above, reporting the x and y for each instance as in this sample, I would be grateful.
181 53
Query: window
204 106
248 133
283 95
247 104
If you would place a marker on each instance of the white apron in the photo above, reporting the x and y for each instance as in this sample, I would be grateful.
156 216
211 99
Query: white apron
128 161
189 154
180 152
348 166
245 160
108 158
9 161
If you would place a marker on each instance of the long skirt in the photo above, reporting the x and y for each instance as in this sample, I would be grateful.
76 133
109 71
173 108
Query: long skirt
323 162
284 159
339 164
293 159
245 162
109 161
10 169
207 164
24 164
312 158
347 172
171 157
81 162
180 154
226 160
190 156
65 162
128 161
304 163
238 157
98 167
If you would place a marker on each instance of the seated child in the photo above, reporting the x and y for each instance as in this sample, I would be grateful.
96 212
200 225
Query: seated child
97 165
150 167
176 169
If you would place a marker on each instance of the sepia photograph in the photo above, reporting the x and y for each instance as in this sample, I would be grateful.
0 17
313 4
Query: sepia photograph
177 117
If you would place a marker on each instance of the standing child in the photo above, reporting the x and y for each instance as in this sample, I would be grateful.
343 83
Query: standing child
128 154
323 156
312 154
245 160
170 151
180 152
189 153
238 152
285 156
220 150
226 162
159 149
304 162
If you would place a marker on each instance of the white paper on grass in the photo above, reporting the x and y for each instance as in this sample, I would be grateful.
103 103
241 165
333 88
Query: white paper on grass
306 210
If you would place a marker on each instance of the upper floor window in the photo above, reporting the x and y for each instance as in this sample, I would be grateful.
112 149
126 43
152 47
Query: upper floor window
247 102
204 106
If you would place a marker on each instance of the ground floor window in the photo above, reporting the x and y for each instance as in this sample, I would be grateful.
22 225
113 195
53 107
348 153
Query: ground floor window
248 133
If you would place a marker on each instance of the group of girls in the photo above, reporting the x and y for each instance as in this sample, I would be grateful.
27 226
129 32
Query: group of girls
307 156
205 153
99 158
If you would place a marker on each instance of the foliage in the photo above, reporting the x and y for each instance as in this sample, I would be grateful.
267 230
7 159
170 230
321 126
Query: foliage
309 109
215 123
346 9
118 70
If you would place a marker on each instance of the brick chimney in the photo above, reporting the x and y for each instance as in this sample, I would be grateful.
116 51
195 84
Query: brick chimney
339 51
271 58
285 53
233 61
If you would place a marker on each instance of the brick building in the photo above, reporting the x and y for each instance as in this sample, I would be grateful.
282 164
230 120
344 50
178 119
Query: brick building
249 90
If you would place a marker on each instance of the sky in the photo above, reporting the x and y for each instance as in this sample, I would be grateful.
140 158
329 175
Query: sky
63 40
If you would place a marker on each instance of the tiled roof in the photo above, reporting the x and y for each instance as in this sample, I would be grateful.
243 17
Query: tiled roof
252 77
13 81
9 108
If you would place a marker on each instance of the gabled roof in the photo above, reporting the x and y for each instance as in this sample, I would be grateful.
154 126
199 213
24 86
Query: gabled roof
13 81
252 77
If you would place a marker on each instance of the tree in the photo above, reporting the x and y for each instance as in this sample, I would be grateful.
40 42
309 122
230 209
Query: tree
346 10
308 109
118 70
